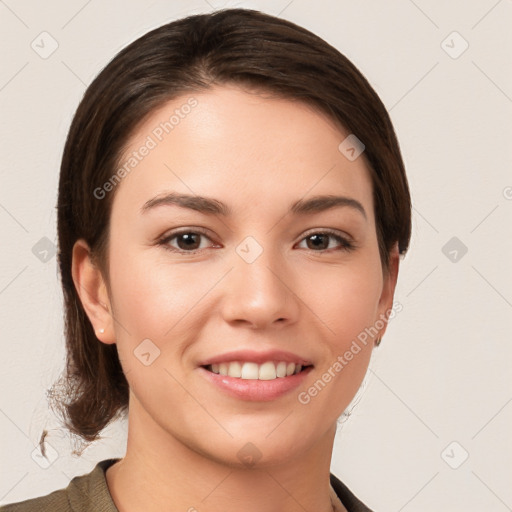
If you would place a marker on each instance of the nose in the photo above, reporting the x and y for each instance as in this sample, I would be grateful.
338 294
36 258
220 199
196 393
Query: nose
260 294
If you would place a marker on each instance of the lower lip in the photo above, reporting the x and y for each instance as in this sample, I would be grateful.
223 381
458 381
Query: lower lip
253 389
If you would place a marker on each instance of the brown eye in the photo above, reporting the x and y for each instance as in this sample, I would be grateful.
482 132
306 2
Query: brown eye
320 241
184 241
188 241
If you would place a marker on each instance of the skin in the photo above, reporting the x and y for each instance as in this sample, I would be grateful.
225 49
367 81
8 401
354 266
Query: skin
258 155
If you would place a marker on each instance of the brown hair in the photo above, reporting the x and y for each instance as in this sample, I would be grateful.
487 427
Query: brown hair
236 46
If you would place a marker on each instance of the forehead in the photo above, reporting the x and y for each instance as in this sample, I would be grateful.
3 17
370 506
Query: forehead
243 148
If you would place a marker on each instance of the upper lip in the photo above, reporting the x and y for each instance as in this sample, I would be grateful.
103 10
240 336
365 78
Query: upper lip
256 357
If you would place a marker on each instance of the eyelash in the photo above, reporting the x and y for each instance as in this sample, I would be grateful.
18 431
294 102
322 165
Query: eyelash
346 245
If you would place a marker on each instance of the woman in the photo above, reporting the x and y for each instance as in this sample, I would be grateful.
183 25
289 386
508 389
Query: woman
232 210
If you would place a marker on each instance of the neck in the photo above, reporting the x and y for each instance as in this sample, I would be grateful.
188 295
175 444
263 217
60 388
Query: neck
161 472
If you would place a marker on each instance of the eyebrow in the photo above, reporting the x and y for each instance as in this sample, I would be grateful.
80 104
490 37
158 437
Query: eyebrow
209 206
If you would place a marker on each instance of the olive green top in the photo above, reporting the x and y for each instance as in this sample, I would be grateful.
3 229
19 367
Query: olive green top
89 493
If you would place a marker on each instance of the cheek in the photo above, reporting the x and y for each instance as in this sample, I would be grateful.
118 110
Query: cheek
161 302
149 299
345 303
343 299
150 296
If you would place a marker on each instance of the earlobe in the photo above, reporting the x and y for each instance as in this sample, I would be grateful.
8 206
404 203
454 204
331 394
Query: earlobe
91 288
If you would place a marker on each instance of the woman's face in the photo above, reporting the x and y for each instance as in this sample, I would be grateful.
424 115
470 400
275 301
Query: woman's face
256 275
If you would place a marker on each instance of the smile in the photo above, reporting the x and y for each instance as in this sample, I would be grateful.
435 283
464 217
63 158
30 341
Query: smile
268 370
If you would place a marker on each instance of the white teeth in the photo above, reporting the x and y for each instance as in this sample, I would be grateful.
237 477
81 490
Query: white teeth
235 369
252 371
267 371
281 369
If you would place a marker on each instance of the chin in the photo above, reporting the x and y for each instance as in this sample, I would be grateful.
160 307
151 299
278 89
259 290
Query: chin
259 451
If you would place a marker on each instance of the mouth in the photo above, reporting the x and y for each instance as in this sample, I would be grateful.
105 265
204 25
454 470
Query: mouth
250 370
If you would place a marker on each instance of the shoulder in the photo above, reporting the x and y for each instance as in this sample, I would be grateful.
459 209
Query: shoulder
85 493
347 497
56 501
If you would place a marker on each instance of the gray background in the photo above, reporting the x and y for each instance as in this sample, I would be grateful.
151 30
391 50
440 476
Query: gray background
439 387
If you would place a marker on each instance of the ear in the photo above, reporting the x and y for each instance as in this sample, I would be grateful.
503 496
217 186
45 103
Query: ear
92 290
388 289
